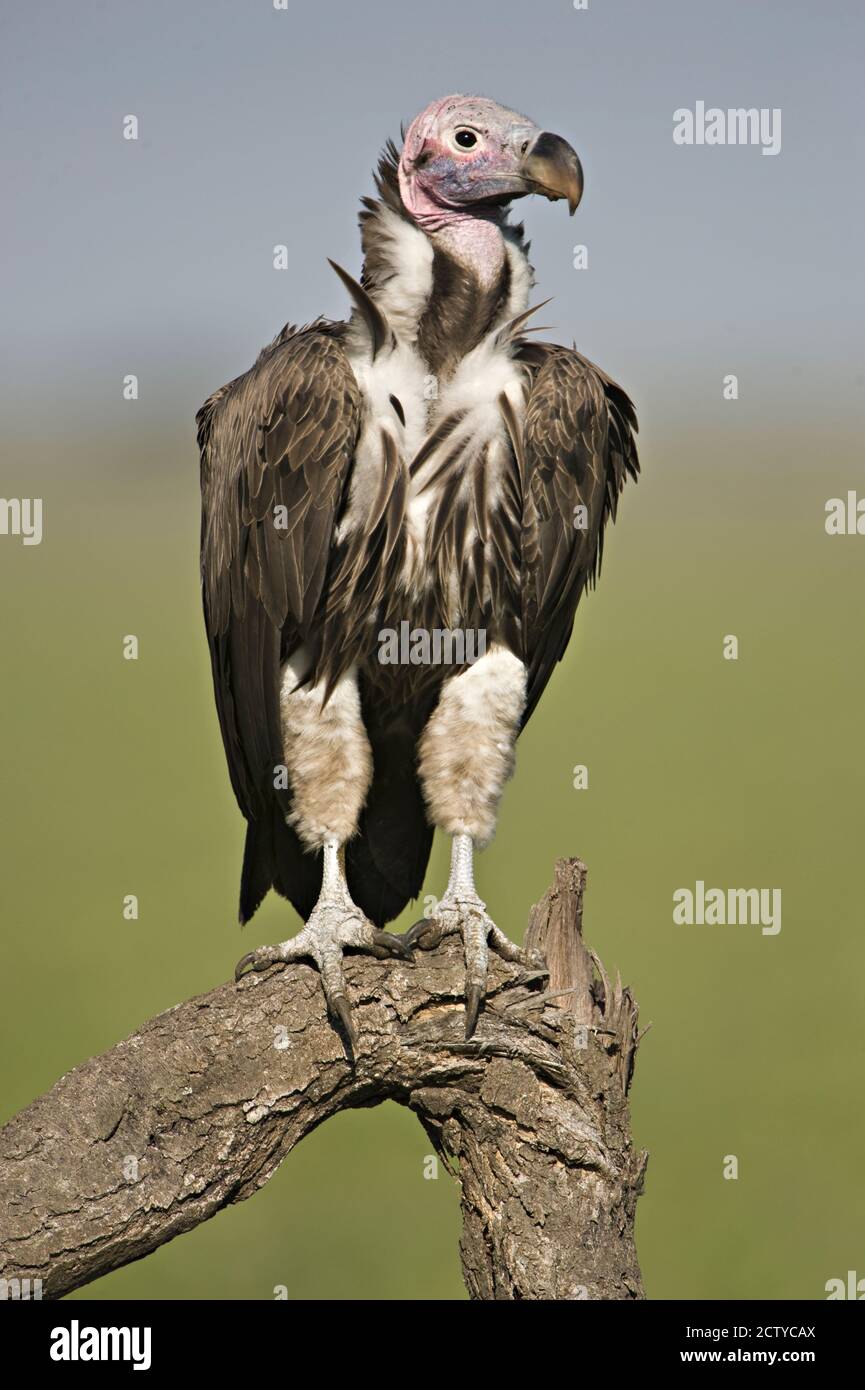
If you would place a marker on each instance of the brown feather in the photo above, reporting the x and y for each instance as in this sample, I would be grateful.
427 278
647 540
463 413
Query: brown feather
379 329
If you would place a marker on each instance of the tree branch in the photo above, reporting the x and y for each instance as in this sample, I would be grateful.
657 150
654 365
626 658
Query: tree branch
199 1107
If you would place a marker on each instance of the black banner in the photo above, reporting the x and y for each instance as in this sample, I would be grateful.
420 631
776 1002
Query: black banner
154 1338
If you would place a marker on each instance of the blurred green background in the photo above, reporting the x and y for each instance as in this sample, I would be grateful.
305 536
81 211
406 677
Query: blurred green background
744 773
156 258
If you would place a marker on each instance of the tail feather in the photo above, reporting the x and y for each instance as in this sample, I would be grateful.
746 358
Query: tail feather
256 878
273 857
387 859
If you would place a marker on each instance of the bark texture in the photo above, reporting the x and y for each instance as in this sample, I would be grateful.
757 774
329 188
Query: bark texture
199 1107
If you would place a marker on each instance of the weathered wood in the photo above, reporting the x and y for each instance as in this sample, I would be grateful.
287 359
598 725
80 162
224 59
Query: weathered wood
198 1108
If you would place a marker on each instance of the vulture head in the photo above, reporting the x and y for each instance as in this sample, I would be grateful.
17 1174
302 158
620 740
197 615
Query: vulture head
466 153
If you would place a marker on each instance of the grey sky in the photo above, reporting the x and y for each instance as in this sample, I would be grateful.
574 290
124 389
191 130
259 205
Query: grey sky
259 126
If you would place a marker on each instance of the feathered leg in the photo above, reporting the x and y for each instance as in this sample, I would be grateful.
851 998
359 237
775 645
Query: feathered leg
329 765
466 756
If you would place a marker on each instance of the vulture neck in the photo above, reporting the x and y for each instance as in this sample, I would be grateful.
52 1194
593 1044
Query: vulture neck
443 278
473 239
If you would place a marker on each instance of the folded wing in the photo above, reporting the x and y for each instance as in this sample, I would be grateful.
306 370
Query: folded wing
578 450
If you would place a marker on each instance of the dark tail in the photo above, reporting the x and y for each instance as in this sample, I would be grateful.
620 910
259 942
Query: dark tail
273 857
387 859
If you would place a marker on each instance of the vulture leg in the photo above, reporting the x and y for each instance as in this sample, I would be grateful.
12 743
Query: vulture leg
462 910
329 764
466 756
334 924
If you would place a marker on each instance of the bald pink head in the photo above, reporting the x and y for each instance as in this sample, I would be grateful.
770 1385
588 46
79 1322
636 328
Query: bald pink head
468 156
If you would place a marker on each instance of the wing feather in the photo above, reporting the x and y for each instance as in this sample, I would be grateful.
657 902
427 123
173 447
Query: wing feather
579 449
276 450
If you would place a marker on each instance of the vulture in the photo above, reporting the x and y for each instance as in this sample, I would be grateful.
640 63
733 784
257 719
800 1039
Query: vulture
424 467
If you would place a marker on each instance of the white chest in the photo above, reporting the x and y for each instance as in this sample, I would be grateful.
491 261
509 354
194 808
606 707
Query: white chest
455 425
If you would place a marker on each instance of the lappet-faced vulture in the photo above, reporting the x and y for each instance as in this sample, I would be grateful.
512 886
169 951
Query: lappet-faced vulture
400 514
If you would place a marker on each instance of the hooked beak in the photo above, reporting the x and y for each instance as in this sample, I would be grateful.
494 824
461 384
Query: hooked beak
551 167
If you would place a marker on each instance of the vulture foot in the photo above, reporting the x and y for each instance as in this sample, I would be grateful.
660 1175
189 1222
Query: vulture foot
335 924
466 914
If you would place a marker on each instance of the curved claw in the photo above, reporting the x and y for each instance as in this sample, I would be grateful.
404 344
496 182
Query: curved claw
427 934
242 964
393 945
474 995
342 1009
256 961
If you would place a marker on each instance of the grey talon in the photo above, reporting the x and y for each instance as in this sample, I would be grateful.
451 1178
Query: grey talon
392 944
426 934
342 1009
242 964
474 995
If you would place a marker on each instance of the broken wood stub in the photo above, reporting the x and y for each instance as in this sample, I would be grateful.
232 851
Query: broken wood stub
541 1137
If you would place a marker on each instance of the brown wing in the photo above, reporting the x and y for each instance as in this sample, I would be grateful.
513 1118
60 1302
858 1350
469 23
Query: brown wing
276 450
579 449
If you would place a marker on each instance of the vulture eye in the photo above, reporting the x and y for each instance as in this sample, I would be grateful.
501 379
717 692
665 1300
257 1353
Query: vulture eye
466 139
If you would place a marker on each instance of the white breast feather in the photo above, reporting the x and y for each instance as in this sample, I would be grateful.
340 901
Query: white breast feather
481 378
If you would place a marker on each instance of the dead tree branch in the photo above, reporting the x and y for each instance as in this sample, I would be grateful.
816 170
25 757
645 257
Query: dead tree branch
198 1108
